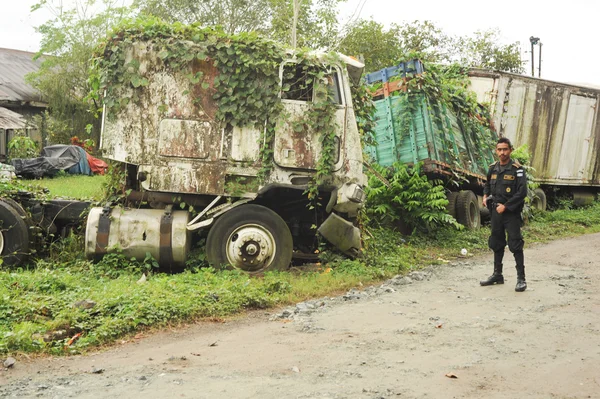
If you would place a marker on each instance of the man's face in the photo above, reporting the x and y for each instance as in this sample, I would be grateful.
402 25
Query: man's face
503 151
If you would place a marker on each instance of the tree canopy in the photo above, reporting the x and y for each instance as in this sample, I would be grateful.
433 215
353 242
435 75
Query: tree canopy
68 40
380 47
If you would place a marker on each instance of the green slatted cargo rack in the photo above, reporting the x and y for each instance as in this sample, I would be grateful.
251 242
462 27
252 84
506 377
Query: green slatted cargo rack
433 135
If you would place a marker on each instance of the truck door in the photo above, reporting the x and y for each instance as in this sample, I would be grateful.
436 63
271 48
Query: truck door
297 145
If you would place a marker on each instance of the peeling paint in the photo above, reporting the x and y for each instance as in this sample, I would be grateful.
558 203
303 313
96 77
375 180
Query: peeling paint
168 129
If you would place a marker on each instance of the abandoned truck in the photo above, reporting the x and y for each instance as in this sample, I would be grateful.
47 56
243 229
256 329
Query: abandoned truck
414 125
225 135
559 122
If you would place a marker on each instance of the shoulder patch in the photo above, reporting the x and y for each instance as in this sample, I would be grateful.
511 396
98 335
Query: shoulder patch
516 164
520 172
493 164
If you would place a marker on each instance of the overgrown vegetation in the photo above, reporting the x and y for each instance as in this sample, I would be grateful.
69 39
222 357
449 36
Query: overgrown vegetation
21 146
402 193
382 47
442 93
246 86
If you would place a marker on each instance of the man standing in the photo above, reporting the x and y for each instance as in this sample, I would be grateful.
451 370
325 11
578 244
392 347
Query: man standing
506 190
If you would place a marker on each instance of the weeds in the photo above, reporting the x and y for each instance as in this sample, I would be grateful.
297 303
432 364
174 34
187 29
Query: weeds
73 186
39 305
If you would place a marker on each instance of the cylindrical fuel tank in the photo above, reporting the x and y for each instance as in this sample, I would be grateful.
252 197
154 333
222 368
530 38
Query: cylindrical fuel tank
135 232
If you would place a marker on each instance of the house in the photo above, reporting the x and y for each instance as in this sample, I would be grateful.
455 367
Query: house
19 101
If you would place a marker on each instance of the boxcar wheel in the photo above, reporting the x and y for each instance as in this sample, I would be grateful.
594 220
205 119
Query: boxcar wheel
539 200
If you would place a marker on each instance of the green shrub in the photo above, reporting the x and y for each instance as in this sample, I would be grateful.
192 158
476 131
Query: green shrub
408 196
22 146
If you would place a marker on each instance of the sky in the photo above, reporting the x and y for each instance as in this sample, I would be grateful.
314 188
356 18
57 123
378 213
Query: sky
567 29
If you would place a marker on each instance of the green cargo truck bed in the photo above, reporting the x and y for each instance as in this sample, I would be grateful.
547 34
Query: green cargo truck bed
418 131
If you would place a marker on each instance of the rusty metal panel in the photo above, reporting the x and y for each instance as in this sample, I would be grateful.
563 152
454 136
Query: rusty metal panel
559 122
576 145
183 138
175 139
245 145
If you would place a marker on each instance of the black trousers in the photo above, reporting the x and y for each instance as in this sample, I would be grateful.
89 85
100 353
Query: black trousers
507 223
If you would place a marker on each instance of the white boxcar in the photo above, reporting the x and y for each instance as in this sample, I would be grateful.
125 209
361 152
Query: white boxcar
559 122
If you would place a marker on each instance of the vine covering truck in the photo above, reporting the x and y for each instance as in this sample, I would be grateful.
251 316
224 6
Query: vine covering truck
221 137
452 139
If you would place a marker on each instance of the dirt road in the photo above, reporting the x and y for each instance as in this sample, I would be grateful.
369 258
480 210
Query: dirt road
543 343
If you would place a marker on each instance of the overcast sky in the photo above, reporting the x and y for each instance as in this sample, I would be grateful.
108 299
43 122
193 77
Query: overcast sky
567 29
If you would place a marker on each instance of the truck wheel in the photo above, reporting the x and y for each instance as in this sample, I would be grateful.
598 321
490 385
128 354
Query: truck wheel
14 236
467 210
539 199
251 238
451 207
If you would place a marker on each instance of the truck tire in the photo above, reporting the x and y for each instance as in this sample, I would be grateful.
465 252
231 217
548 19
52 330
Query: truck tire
467 210
14 235
251 238
451 207
539 200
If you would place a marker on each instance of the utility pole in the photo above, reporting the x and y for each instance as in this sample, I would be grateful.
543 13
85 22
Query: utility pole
540 61
295 23
533 41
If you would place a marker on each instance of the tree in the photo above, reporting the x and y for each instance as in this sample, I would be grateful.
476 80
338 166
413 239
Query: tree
234 16
317 19
378 47
483 50
317 22
67 43
425 40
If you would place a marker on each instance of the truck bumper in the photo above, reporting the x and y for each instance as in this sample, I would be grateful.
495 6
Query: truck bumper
342 234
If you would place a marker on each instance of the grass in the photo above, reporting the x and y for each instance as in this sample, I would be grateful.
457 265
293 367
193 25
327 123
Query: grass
37 303
73 186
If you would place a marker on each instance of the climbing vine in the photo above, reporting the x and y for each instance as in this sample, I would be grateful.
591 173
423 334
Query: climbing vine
246 87
443 93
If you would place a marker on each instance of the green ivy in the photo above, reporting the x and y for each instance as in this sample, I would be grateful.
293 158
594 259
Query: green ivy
246 89
446 87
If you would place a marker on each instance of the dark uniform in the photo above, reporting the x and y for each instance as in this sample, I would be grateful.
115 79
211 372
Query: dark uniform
506 185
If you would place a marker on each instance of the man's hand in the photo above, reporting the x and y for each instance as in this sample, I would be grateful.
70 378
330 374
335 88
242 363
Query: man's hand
484 202
500 208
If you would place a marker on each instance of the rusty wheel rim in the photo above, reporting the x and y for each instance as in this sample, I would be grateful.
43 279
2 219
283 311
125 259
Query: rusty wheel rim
250 247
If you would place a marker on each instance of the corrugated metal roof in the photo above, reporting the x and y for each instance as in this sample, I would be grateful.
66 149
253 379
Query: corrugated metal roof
11 120
14 65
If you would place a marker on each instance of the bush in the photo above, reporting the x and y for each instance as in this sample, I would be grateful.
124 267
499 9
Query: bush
407 195
22 146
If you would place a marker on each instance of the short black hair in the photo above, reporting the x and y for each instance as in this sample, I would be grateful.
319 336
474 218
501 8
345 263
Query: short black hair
505 140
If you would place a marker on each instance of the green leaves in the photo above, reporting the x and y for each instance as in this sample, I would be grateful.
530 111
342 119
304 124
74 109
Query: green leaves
137 81
410 197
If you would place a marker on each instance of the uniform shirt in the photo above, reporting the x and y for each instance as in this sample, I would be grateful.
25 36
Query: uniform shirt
507 184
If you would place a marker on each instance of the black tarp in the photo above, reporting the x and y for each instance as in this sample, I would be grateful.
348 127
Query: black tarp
54 158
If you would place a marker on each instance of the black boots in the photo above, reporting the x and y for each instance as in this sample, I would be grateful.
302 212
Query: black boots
496 278
521 283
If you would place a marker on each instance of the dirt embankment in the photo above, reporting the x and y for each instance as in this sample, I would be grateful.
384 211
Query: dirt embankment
396 341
